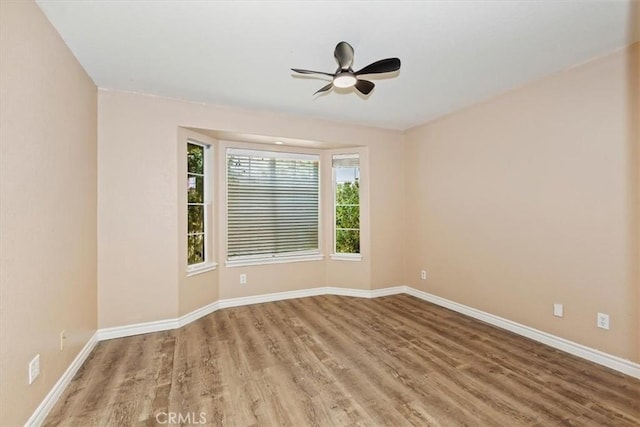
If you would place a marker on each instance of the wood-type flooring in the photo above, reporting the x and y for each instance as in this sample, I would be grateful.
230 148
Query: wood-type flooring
342 361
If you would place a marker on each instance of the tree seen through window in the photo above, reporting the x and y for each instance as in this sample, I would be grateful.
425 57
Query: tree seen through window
195 204
347 210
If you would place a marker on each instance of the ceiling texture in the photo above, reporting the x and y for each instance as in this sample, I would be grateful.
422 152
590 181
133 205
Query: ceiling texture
239 53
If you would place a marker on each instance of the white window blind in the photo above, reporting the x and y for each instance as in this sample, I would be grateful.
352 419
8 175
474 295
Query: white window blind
272 204
345 161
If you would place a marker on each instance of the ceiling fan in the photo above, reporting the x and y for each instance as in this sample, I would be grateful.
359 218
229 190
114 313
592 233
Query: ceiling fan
345 77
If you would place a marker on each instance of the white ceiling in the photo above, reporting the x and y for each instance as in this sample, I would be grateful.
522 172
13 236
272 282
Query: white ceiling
454 53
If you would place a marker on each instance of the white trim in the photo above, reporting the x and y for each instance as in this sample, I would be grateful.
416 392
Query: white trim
241 262
278 296
137 329
614 362
198 313
346 257
41 412
273 154
326 290
363 293
384 292
165 325
347 292
201 268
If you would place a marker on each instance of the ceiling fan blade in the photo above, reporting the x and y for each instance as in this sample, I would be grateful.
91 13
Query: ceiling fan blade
324 88
344 55
297 70
383 66
364 86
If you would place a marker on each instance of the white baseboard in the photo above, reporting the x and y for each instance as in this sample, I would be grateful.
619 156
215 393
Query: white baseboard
621 365
165 325
41 412
137 329
198 313
278 296
388 291
614 362
588 353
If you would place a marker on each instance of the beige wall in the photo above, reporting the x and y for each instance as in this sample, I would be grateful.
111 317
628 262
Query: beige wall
195 291
530 199
388 226
47 207
511 205
141 273
634 156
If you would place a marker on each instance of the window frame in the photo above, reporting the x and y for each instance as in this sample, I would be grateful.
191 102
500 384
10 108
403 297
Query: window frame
345 256
208 264
274 258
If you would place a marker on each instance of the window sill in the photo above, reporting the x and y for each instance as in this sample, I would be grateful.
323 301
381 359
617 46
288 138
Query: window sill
273 260
201 268
346 257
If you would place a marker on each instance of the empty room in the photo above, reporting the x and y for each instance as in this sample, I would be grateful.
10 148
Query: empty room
319 213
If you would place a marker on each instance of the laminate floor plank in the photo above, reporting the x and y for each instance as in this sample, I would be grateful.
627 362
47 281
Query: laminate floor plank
302 346
348 363
518 359
341 361
485 398
395 376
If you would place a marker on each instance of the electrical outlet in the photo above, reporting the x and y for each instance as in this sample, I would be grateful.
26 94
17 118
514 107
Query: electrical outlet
243 279
34 368
63 337
558 310
603 321
423 274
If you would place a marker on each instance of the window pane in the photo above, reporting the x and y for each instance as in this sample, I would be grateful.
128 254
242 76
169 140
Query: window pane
195 186
195 249
196 183
347 217
347 241
195 158
272 204
347 174
348 193
347 204
195 216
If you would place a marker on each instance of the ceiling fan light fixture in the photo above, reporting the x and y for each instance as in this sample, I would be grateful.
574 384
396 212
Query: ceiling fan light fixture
344 80
345 77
